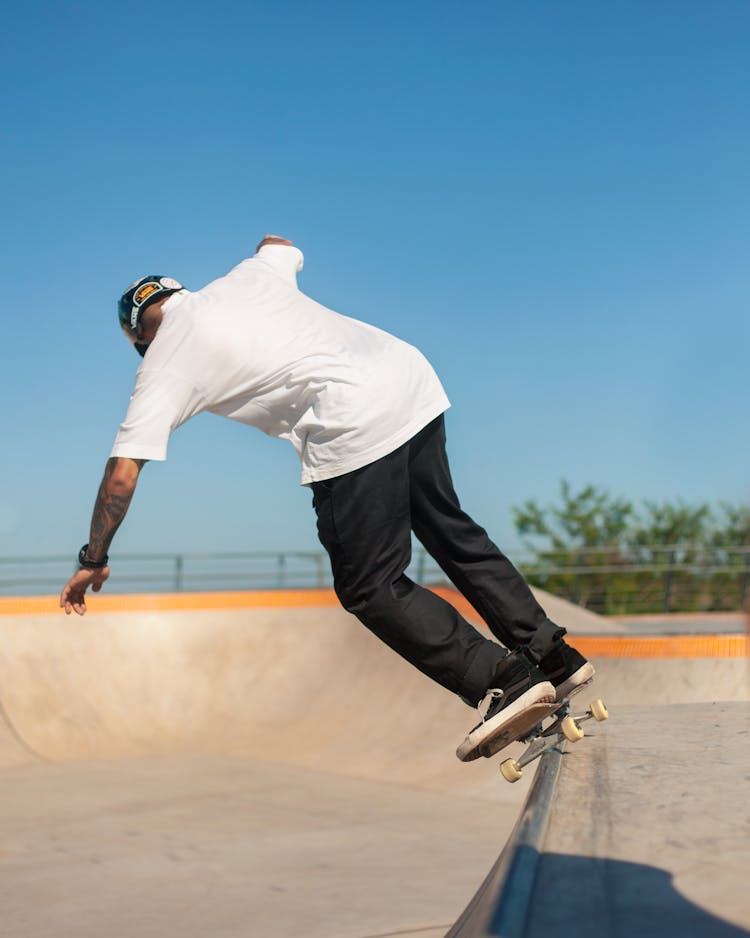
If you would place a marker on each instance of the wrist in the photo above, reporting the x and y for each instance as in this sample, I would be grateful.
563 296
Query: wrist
91 563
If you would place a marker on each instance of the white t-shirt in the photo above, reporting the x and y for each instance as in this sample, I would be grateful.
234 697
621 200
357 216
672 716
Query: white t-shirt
252 347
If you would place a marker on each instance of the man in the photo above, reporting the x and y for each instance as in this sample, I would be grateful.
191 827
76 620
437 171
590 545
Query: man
364 411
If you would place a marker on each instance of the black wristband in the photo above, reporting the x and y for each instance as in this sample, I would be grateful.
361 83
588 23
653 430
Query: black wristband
88 563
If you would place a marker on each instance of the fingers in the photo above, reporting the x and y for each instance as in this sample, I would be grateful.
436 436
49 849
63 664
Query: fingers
65 601
73 602
73 596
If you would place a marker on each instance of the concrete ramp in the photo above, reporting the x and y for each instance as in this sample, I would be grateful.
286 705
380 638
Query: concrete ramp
236 766
13 749
288 677
260 765
304 686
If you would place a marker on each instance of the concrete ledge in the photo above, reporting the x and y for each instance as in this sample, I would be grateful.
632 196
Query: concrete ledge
648 834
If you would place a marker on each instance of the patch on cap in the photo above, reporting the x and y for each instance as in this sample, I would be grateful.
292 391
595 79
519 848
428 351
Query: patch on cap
145 291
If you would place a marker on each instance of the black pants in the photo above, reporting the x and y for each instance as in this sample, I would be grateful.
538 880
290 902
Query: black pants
365 520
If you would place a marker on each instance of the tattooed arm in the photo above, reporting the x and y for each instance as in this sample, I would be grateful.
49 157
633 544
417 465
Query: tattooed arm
112 503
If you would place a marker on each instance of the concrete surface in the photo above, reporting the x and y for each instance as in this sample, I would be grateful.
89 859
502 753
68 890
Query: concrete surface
221 846
269 772
648 842
256 772
655 681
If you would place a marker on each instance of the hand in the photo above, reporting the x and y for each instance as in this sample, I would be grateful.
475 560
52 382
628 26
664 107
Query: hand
73 596
273 239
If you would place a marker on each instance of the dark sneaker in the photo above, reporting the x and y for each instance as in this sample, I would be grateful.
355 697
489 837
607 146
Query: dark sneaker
520 699
567 669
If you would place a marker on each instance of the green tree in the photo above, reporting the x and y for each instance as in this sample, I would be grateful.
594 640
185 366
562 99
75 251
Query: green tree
587 519
673 524
731 542
733 530
586 530
666 556
668 542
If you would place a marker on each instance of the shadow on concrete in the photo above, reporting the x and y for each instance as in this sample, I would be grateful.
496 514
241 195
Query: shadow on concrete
599 898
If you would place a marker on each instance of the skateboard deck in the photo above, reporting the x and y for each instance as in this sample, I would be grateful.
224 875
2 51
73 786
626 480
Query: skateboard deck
565 725
523 725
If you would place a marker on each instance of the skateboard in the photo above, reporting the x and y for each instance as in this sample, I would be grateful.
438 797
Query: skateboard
565 725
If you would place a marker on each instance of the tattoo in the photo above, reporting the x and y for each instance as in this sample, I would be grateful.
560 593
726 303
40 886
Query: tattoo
111 506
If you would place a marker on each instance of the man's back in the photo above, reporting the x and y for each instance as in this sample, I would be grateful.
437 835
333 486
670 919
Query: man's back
252 347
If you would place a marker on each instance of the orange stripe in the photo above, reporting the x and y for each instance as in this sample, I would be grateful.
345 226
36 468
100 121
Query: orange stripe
662 646
592 646
635 646
178 602
172 602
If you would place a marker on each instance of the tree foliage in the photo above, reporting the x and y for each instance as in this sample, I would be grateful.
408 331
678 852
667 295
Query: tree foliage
589 518
734 527
604 552
671 523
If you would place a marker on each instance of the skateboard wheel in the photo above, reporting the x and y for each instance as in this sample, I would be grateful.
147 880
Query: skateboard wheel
598 710
511 770
571 730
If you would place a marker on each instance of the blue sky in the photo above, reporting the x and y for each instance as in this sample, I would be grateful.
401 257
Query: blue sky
550 199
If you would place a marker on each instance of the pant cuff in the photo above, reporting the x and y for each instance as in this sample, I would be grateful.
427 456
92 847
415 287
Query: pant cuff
543 640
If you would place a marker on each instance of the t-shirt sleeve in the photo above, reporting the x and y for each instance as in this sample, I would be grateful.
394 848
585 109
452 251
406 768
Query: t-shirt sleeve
159 404
285 260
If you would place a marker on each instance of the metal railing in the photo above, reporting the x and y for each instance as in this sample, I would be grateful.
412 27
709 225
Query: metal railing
174 572
650 579
646 579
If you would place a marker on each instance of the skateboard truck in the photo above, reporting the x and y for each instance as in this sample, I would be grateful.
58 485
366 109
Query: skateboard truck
566 725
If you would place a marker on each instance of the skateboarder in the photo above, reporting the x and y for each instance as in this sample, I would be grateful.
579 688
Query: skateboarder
364 411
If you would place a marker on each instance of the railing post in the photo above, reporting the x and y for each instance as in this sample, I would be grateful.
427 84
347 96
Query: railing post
745 582
577 581
178 565
281 571
668 582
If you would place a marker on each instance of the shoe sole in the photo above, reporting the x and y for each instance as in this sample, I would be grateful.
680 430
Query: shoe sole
511 723
576 682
